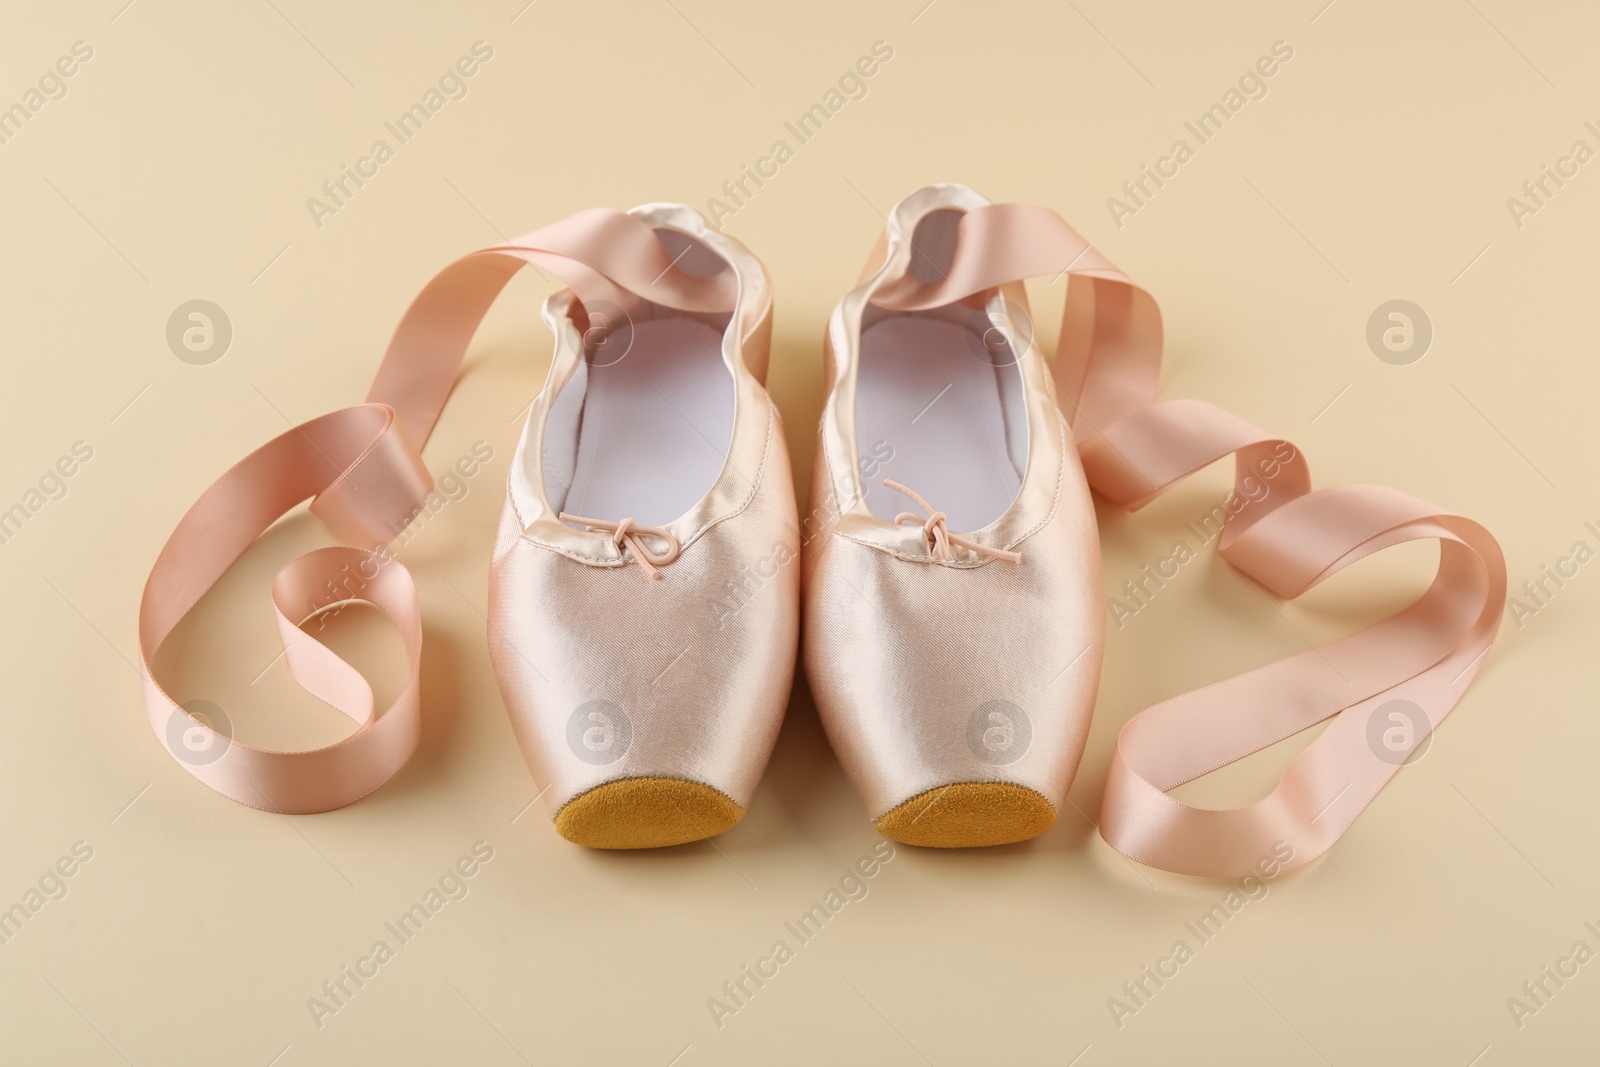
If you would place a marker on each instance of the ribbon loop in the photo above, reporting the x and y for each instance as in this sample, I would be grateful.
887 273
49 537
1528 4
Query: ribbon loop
1278 532
375 498
361 469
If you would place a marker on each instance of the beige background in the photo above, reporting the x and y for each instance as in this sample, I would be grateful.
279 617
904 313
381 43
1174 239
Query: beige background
177 166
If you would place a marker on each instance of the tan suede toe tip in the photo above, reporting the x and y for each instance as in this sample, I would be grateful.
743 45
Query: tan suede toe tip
646 813
969 815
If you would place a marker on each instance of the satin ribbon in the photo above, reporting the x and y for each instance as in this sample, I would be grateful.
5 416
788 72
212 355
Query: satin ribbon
361 468
362 471
1288 541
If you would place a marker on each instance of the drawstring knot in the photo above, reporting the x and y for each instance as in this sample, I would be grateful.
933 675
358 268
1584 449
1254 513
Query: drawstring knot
625 533
937 530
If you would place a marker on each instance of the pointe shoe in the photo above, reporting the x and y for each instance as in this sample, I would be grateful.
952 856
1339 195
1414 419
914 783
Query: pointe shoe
644 612
952 609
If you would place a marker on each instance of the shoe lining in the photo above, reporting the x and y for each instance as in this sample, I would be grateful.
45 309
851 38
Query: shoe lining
646 435
928 395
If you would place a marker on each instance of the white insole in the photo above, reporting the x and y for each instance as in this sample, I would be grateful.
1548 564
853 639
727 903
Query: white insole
924 392
655 426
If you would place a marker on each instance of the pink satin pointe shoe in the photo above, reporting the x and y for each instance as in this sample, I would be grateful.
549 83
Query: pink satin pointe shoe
643 610
953 642
644 614
953 617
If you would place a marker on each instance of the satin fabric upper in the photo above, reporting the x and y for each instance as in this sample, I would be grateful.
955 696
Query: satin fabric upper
909 656
1408 670
362 469
691 673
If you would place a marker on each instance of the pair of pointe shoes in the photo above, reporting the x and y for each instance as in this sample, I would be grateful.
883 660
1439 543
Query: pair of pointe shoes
651 577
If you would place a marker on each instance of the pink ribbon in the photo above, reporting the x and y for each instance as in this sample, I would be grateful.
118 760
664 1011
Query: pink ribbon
1288 541
361 470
